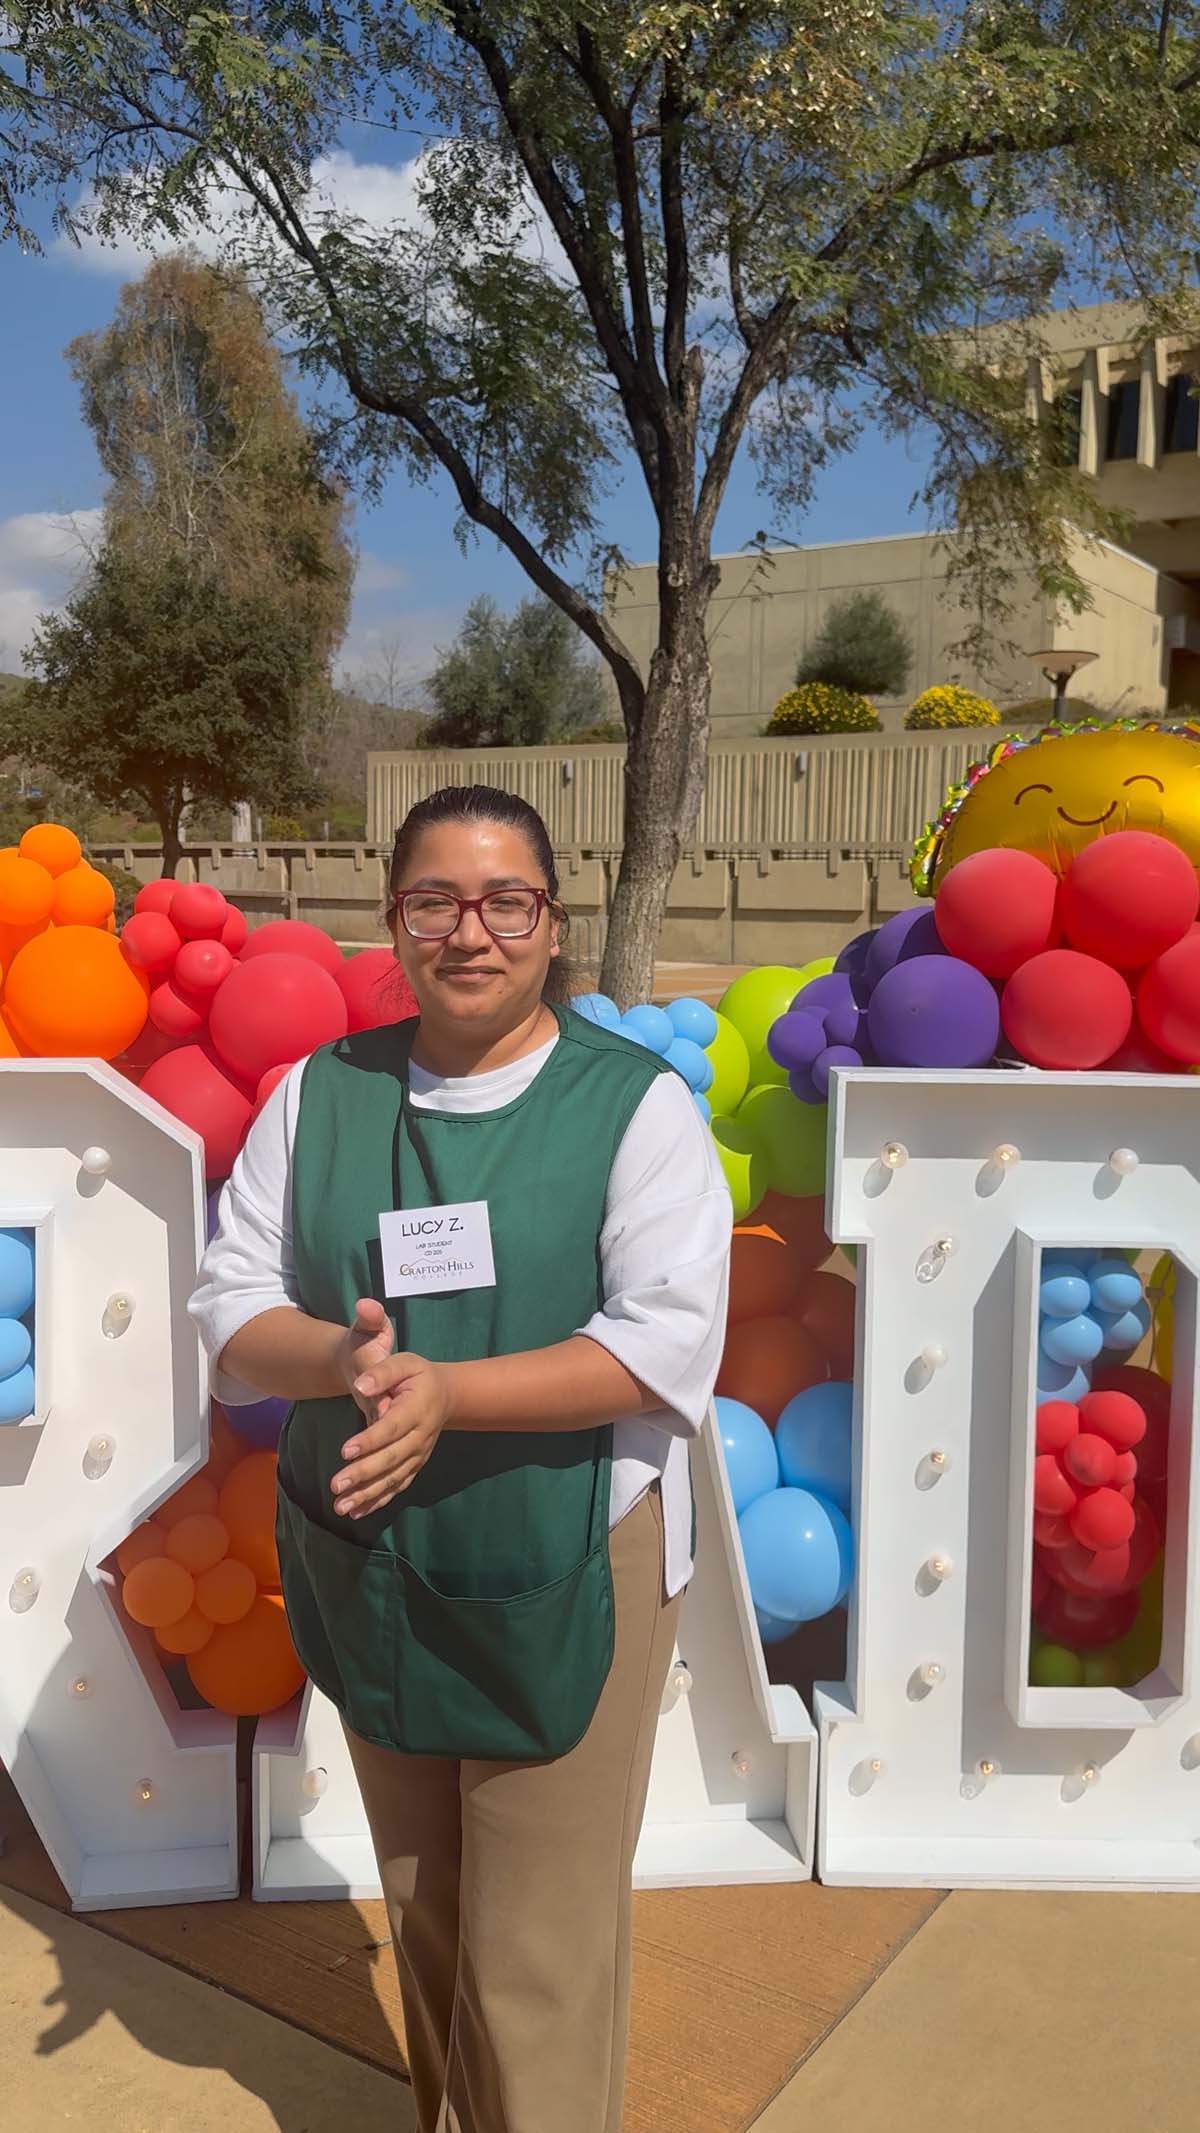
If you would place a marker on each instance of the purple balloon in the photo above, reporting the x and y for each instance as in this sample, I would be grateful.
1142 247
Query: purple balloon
909 934
801 1084
846 1025
853 957
833 990
795 1039
836 1055
934 1011
260 1424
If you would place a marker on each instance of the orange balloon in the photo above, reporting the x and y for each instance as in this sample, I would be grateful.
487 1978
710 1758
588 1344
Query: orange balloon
198 1494
197 1541
26 893
82 897
248 1509
51 846
13 939
827 1309
767 1361
225 1447
190 1634
800 1223
252 1666
71 994
9 1048
158 1591
764 1279
227 1591
145 1540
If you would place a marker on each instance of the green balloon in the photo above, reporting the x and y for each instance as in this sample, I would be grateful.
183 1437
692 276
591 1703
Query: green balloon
752 1003
1101 1669
792 1137
731 1069
1052 1666
744 1164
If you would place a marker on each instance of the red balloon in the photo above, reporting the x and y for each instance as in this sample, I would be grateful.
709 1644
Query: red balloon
1153 1396
293 936
375 989
189 1083
1144 1544
1057 1423
1128 897
1138 1056
235 932
1053 1492
1120 1420
177 1014
268 1085
156 895
1064 1009
1038 1584
1168 1000
1090 1460
1084 1622
1049 1531
272 1011
1125 1468
996 909
201 967
1079 1569
1102 1519
150 940
199 911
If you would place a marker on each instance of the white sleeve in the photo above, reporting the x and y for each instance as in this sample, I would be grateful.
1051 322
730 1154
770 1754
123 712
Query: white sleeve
248 1267
664 1255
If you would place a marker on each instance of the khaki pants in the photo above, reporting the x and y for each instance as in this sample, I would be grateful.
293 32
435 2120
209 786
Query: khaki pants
508 1889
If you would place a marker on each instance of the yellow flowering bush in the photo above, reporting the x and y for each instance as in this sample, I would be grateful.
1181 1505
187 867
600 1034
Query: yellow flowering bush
938 708
819 707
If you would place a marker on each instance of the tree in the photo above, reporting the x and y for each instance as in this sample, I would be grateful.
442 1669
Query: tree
207 456
861 645
159 685
651 236
513 681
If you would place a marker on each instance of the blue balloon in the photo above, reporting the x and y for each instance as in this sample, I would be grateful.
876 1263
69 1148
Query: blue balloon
649 1026
1123 1331
597 1007
695 1065
1061 1381
1071 1257
694 1020
16 1272
1064 1293
16 1396
771 1629
799 1553
812 1438
16 1346
1115 1286
1072 1340
751 1460
703 1106
261 1423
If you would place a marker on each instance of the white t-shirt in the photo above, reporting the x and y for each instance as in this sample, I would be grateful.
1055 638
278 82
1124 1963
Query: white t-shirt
664 1260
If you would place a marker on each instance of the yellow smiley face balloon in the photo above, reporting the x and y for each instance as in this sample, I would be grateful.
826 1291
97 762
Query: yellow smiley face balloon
1063 789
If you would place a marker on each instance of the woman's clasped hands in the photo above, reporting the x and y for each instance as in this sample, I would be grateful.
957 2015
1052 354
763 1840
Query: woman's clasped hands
406 1401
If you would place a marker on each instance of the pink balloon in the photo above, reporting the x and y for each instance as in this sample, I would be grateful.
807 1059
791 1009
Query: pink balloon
375 989
202 966
189 1084
272 1011
293 936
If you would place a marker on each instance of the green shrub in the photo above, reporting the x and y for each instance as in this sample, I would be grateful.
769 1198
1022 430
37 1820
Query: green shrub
940 708
861 645
125 887
818 707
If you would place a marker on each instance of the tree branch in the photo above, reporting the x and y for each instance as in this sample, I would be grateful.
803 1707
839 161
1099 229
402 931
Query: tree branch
671 118
587 65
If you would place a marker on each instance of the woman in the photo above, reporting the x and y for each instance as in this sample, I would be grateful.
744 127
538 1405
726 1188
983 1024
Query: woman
485 1253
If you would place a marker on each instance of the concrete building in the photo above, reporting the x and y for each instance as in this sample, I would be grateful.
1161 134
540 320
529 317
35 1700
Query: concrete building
1136 433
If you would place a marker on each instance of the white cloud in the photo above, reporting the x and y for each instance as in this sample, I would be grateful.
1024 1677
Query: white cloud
400 649
381 195
42 556
375 574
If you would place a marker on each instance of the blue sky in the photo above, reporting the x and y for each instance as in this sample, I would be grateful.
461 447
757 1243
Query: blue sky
413 582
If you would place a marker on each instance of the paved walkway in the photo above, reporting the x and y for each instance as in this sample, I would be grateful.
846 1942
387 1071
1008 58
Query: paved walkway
1052 2014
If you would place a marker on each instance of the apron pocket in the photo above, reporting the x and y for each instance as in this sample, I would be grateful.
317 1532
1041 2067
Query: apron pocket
513 1679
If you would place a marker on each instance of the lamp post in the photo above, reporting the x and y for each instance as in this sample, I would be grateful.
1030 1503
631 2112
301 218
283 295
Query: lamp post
1058 665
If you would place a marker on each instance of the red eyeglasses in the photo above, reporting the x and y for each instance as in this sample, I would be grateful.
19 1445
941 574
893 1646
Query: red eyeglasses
507 914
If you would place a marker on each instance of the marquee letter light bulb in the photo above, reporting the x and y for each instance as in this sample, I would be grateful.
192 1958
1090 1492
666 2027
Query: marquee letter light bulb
24 1590
1123 1162
315 1783
96 1161
893 1155
932 1674
743 1762
118 1312
681 1679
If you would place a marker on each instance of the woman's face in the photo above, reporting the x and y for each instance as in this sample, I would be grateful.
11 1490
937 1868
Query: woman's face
471 977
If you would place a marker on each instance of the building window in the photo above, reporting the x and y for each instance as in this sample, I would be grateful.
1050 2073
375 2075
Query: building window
1124 402
1183 408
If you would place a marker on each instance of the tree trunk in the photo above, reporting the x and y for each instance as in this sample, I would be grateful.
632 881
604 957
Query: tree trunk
664 786
172 843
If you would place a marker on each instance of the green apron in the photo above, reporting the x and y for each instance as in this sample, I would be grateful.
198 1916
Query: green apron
473 1615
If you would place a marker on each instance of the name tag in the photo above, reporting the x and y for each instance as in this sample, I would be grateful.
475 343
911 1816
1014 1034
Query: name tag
428 1250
